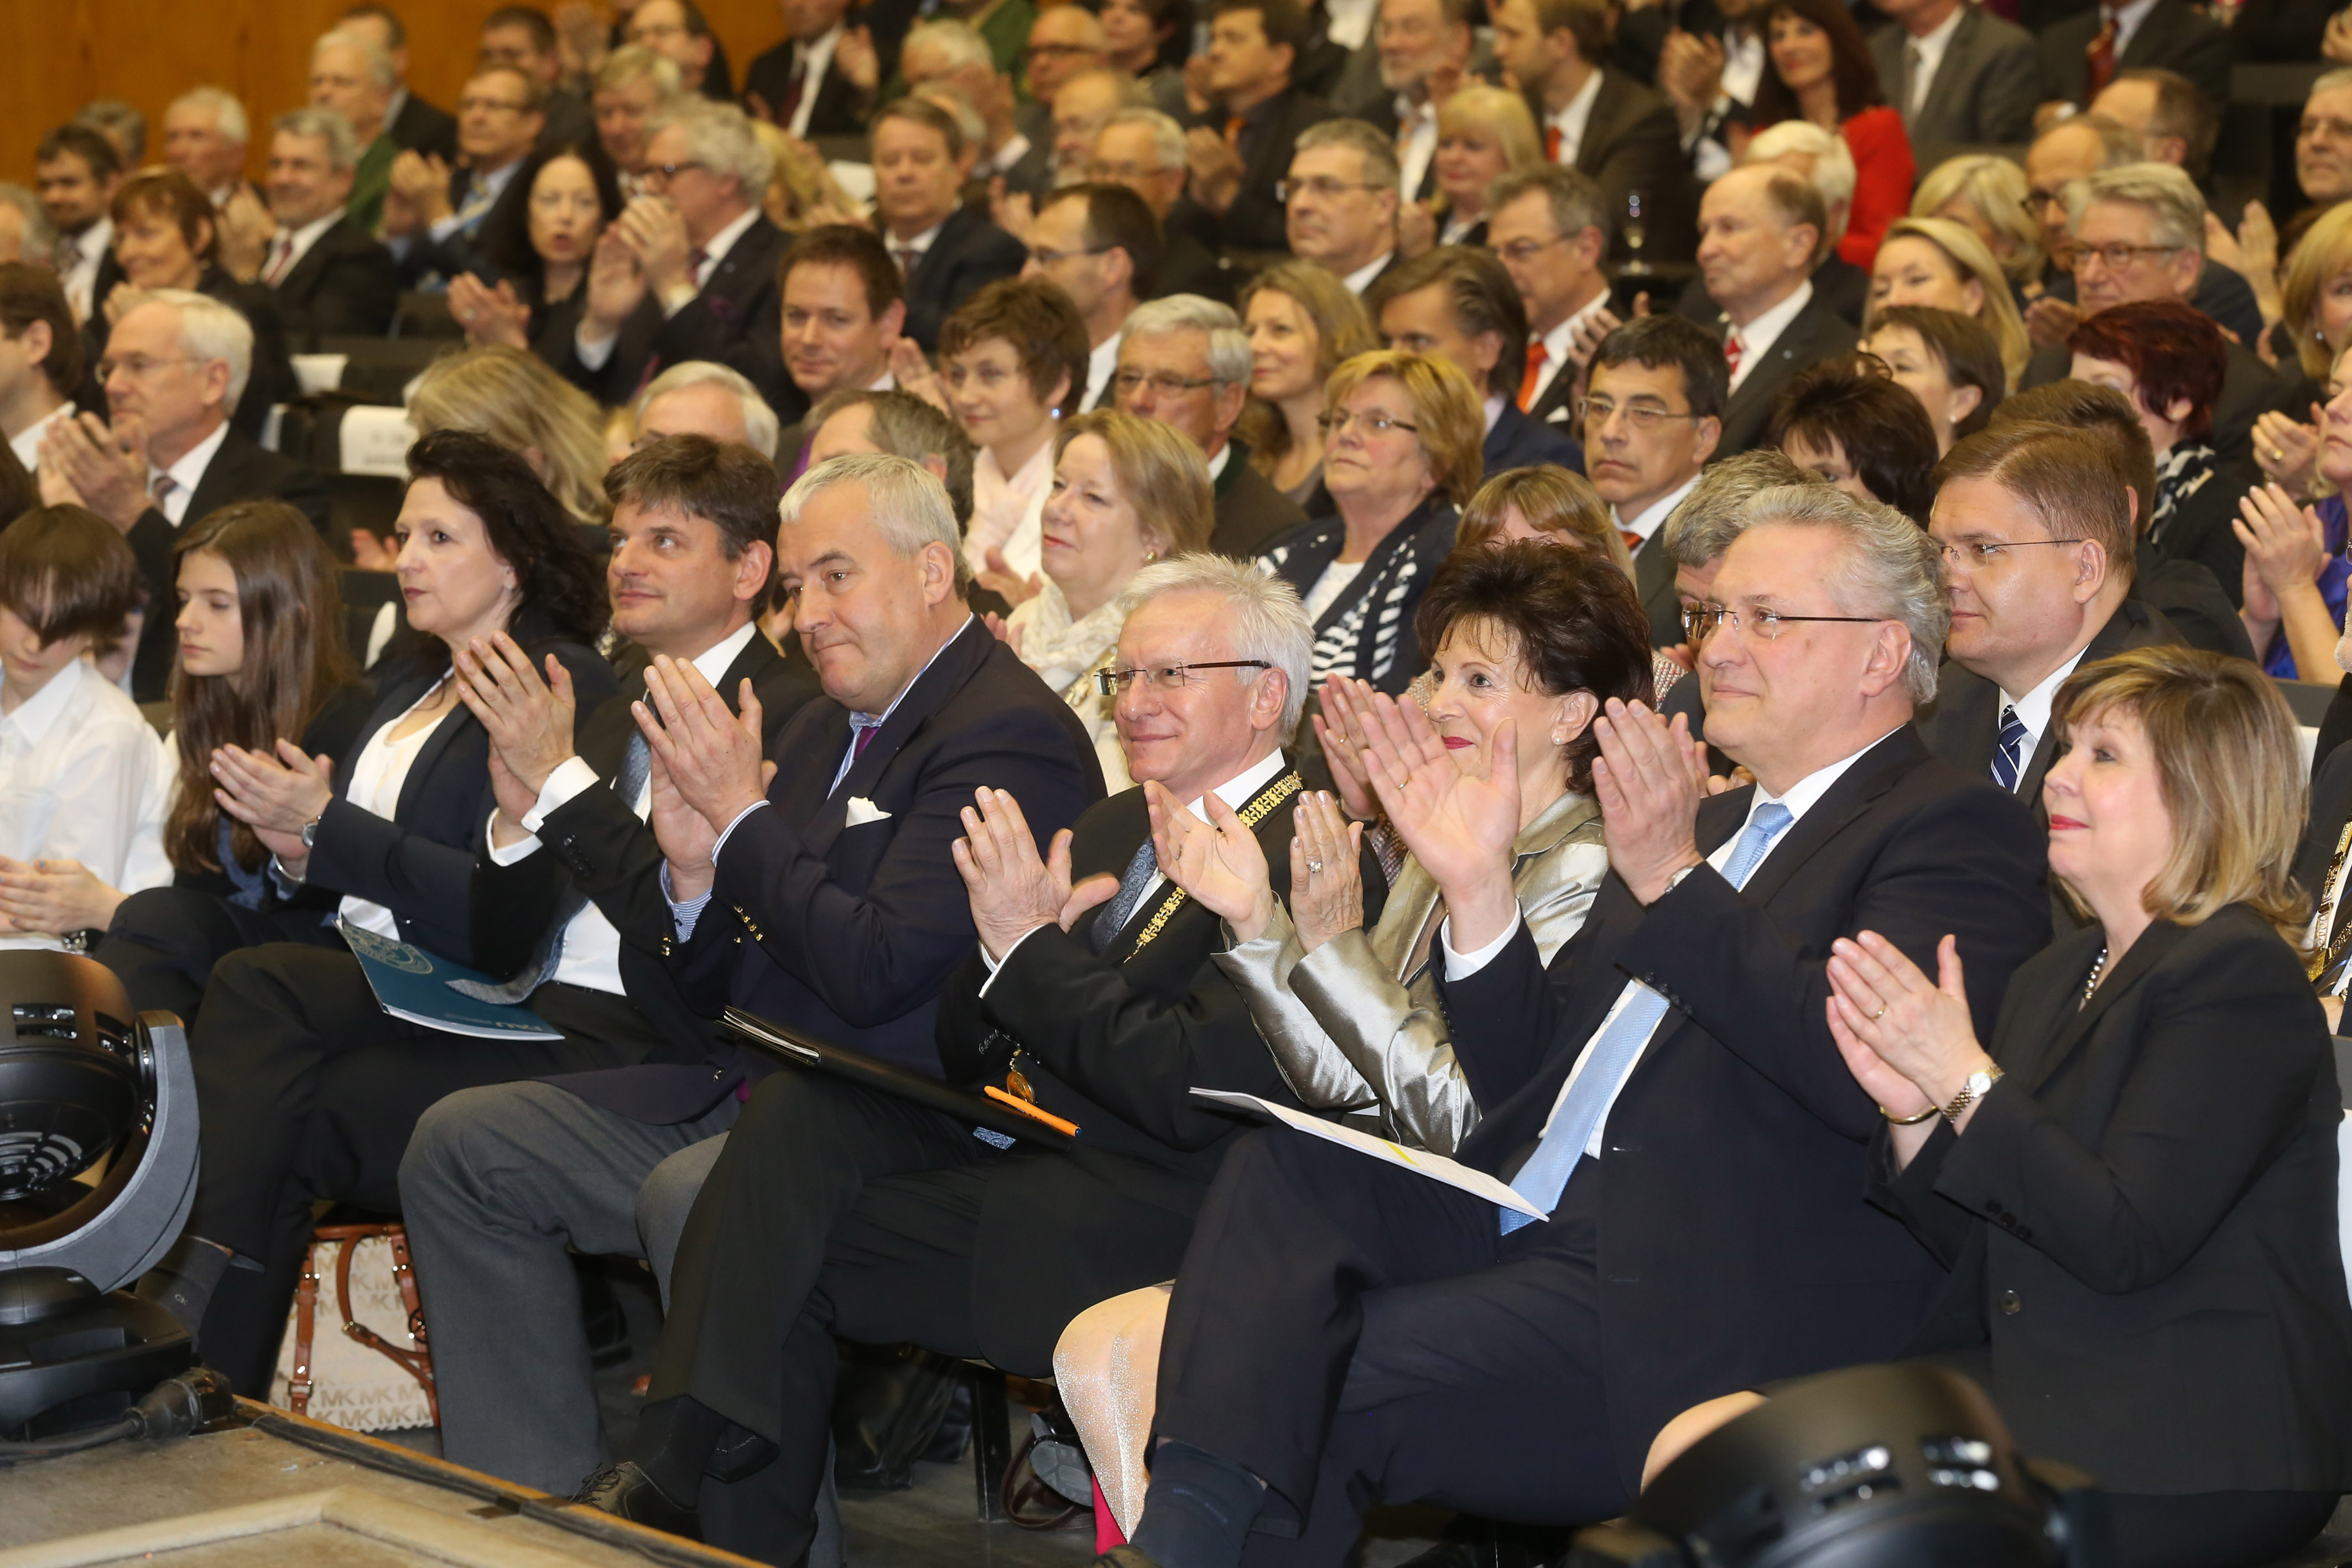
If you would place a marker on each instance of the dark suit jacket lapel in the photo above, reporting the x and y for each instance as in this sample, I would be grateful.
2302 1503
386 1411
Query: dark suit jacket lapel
224 478
1600 127
745 269
2071 1024
1873 774
939 259
955 664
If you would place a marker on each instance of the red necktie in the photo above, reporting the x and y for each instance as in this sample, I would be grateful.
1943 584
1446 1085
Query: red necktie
1732 349
1551 143
794 88
1633 541
2101 54
1537 355
865 739
1233 123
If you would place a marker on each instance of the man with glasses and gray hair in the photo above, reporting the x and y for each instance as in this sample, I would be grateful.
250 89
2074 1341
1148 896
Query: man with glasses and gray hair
1143 149
1340 198
1185 362
1548 225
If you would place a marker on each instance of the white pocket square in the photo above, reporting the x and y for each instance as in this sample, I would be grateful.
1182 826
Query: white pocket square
862 811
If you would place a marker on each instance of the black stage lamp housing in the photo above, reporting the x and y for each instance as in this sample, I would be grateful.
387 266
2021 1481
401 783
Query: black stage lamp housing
81 1081
1906 1466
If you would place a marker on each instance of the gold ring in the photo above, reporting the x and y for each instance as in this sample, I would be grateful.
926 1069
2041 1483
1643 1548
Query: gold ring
2278 454
1879 1014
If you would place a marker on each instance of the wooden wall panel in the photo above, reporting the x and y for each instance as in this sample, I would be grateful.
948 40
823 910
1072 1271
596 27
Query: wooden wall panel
57 55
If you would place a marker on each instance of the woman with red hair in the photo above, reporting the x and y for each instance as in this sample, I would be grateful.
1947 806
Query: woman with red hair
1821 71
2169 359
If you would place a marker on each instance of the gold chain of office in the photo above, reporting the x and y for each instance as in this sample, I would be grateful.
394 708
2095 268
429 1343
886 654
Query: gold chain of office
1256 812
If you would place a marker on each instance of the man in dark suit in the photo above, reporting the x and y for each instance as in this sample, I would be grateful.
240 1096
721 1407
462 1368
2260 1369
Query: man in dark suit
1184 361
1346 1331
1143 149
2036 526
330 276
1652 421
1549 226
1599 121
944 250
1761 232
687 271
434 215
1241 151
801 84
1102 1002
179 365
2172 34
1342 192
1461 305
1958 75
414 125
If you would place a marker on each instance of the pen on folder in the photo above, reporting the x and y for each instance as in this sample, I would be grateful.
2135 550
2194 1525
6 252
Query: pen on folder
1026 1109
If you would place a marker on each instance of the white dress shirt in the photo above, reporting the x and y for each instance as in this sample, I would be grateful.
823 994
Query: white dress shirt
89 248
186 475
1930 50
1007 510
2033 709
592 945
1802 797
2127 21
814 57
1102 364
1570 118
1652 517
919 247
1361 278
1217 464
84 776
1416 144
26 442
377 776
1756 338
1558 344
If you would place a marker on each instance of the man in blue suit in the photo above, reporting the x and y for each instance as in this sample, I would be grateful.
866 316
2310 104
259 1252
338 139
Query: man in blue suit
1460 304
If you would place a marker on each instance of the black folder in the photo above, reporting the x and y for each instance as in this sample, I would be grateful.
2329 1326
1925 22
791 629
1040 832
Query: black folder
805 1051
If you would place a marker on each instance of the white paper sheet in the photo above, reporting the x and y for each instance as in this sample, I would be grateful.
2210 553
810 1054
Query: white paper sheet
1437 1167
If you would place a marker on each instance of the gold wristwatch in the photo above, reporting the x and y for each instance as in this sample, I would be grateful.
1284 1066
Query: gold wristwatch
1972 1091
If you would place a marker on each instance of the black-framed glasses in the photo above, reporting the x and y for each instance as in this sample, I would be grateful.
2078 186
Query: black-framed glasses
1163 383
2119 255
1992 552
1169 677
1702 620
1372 420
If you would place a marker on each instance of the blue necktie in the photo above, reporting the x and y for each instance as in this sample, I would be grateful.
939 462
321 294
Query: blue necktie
2006 757
1140 869
1545 1175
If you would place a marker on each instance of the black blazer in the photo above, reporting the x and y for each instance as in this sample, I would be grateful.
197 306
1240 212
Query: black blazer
1188 267
240 471
735 320
850 932
1984 91
968 252
344 285
1367 632
1632 142
1838 285
2199 530
1251 513
1257 221
2250 389
2175 35
421 127
1114 1042
419 862
1735 1246
1520 442
2140 1218
1814 335
599 846
837 111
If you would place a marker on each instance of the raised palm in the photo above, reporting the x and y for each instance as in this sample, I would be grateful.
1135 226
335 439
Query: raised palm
1456 812
1218 862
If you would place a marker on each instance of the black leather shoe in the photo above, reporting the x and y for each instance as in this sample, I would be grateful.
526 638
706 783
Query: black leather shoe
625 1491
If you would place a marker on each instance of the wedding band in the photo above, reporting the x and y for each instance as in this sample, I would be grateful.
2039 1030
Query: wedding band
1879 1014
1315 866
2278 454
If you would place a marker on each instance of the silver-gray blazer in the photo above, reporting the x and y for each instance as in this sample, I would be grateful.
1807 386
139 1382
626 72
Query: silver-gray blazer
1355 1024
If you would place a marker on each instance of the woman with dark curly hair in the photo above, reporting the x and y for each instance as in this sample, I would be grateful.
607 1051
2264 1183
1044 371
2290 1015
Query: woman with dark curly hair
1820 70
1846 420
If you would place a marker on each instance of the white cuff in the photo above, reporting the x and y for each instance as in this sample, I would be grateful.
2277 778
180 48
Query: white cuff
730 827
684 915
507 854
1462 966
996 966
594 352
571 777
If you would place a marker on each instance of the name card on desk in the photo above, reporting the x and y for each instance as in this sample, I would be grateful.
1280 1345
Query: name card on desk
376 441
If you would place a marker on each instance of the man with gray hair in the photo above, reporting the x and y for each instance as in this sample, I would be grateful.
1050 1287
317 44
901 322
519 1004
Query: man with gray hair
1340 198
205 133
1094 998
1143 149
1763 231
687 271
631 88
330 276
1185 362
351 76
26 231
176 362
860 419
1345 1332
699 398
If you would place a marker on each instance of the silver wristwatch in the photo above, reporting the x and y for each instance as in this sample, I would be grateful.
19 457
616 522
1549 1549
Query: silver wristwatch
1972 1091
311 832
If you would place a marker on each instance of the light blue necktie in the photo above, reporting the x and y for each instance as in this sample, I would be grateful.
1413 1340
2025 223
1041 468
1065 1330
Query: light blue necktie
1545 1175
2007 750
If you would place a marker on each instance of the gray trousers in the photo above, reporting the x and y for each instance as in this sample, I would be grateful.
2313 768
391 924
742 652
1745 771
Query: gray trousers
499 1186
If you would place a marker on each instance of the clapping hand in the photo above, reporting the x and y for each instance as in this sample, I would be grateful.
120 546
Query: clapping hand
106 468
615 285
650 226
2287 451
276 796
1013 891
855 57
529 721
1218 862
999 578
54 897
1458 814
489 314
2049 322
712 755
914 374
1327 874
1340 729
1215 168
1649 778
2285 546
687 838
1908 1040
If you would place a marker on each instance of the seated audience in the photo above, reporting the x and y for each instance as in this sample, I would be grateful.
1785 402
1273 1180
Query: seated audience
1652 421
1847 421
261 662
814 1160
1820 70
164 238
1985 195
533 290
513 398
1938 262
177 362
1959 74
1302 322
698 398
79 172
1483 133
1128 490
41 370
851 941
1761 231
1947 360
1101 245
1461 304
1550 230
1012 360
434 215
2297 569
844 305
1402 455
2167 359
2152 206
1311 1268
309 1088
2191 1345
2036 526
945 252
83 783
1184 361
1241 154
330 275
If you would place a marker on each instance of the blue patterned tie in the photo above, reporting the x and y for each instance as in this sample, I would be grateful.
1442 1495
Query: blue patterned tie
2006 751
1140 869
1545 1175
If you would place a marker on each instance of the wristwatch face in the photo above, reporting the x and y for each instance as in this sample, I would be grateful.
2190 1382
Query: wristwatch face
1979 1082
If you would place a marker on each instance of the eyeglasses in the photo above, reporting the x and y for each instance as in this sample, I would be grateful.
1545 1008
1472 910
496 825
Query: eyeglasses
2037 199
1163 383
1643 417
1371 420
1992 552
1324 186
1044 257
138 367
1524 250
467 105
2326 125
671 171
1169 677
2119 256
1701 621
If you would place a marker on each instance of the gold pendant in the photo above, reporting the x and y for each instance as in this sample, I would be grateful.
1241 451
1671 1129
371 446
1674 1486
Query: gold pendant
1017 1085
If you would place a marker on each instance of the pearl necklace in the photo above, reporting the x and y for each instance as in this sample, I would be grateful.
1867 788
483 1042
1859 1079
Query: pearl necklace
2098 969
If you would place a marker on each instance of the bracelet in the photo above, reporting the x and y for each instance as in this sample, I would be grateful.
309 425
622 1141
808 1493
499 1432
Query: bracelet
1895 1120
1975 1089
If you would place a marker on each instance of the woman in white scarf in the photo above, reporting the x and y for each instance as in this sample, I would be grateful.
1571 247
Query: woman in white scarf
1126 492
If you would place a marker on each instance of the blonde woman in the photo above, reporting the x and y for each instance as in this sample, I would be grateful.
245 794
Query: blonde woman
1126 492
801 192
1302 322
2318 303
1483 133
1985 195
512 396
1942 264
